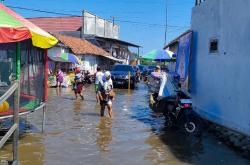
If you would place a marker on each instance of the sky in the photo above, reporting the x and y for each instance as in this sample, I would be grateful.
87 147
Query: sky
141 21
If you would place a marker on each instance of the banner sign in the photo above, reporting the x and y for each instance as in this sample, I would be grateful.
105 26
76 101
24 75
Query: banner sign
183 59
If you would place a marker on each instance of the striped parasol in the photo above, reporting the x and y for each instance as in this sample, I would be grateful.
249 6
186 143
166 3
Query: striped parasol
157 55
65 57
15 28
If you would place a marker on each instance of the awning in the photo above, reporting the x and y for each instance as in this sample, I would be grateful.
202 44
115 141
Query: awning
15 28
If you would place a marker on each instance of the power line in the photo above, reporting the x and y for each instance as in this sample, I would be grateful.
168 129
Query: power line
166 28
150 24
125 21
41 11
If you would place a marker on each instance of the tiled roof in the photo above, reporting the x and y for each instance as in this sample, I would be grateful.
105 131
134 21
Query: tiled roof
80 46
58 24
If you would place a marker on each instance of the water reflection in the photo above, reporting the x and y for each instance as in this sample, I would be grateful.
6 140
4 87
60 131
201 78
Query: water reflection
185 148
76 134
31 150
177 146
77 107
170 145
59 91
104 130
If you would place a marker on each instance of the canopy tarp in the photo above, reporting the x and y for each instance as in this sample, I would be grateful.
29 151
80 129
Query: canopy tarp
115 59
14 28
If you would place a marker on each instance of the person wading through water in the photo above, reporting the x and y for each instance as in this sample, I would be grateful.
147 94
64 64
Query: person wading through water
78 83
59 78
106 94
98 80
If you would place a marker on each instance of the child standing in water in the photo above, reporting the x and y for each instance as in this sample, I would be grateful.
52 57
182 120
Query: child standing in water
78 83
59 78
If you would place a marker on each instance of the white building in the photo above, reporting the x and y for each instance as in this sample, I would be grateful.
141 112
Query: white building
221 62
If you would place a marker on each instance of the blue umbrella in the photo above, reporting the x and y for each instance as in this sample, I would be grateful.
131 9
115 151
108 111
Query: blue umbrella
65 57
157 55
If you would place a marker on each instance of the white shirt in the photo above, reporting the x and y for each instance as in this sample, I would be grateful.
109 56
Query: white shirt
79 76
98 77
108 85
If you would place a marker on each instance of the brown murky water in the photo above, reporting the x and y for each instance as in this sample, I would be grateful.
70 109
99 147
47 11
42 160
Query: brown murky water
75 134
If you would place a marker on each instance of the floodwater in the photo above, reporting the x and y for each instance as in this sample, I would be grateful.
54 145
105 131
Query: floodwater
75 134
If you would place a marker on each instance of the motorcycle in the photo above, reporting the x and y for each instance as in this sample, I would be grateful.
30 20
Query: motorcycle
179 113
88 79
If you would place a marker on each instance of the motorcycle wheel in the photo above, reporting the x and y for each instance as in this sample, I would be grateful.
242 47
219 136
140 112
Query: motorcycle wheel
191 125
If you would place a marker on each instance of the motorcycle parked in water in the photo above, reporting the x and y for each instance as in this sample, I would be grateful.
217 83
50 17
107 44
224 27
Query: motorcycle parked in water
179 113
88 79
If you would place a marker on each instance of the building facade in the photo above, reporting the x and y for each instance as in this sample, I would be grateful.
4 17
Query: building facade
90 55
220 62
100 32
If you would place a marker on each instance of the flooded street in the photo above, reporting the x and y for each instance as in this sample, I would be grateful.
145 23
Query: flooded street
76 134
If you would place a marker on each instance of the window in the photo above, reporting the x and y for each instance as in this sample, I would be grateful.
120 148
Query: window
213 46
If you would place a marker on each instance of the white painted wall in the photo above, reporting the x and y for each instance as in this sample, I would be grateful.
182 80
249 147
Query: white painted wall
90 63
220 82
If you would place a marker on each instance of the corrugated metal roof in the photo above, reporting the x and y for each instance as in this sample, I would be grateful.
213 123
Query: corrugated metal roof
176 40
58 24
118 41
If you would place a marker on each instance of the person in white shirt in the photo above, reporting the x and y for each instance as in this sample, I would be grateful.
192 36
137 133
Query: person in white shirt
106 94
98 81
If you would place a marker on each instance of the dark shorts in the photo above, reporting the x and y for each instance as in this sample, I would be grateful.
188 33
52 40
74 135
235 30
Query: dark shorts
105 102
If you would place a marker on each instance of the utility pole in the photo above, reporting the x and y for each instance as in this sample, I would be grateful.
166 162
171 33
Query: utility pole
113 20
198 2
166 26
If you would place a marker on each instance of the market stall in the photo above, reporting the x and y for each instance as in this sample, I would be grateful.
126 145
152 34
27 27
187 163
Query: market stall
64 62
23 57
